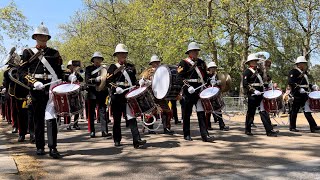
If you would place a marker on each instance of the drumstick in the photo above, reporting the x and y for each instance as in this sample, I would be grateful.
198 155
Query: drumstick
49 83
126 89
199 87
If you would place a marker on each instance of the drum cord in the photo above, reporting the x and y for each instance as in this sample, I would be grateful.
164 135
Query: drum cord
145 124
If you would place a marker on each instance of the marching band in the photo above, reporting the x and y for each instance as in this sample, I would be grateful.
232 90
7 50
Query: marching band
35 84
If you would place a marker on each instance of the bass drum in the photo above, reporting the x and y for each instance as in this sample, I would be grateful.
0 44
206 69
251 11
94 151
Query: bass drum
166 84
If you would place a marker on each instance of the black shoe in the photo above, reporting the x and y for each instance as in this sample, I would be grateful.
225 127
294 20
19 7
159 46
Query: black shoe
105 134
316 128
21 138
76 127
188 138
152 132
54 153
117 144
32 139
139 143
168 131
92 134
225 128
40 152
294 130
207 138
272 133
177 122
210 128
248 133
69 128
14 130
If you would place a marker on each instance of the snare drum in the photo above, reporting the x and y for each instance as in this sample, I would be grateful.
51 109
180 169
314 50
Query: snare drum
67 99
272 101
166 84
211 99
141 101
314 101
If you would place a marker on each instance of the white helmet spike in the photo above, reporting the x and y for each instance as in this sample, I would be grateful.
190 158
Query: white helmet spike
42 29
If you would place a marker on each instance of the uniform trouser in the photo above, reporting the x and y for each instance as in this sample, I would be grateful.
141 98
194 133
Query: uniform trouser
3 110
182 107
92 103
166 117
174 110
118 107
22 118
8 109
253 103
217 117
39 102
296 105
189 102
30 120
67 119
13 112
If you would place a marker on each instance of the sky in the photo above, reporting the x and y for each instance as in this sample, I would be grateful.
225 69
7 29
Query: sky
51 12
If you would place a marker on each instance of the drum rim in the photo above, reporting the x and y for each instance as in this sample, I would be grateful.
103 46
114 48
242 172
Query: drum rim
273 97
210 96
138 95
54 92
313 92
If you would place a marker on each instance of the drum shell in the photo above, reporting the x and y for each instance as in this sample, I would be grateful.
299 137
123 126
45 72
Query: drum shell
69 103
273 105
142 103
213 103
314 103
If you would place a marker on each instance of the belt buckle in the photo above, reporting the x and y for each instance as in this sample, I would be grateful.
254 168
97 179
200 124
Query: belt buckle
45 76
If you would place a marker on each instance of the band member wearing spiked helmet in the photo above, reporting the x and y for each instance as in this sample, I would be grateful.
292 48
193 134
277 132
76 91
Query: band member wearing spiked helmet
122 75
194 73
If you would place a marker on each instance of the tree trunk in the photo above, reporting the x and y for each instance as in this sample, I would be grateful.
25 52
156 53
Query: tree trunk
213 46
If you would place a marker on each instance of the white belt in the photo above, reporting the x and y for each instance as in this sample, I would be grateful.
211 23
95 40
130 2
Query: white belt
42 76
256 84
122 84
194 80
304 86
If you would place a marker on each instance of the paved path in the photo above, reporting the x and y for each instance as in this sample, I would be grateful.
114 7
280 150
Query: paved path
8 168
233 155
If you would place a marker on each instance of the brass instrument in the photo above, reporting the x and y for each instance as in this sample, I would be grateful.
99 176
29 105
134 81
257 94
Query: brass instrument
225 79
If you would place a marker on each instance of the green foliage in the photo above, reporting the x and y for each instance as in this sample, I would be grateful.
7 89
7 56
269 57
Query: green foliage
227 31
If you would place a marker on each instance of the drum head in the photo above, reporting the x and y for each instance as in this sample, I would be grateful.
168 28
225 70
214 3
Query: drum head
315 95
65 88
135 92
209 92
271 94
161 82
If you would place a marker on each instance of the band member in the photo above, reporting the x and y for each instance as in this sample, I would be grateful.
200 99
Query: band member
96 98
300 85
71 69
2 101
254 87
175 111
193 71
122 75
146 79
214 81
43 66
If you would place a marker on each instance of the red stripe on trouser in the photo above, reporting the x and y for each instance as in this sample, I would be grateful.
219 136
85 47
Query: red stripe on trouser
11 112
97 113
89 119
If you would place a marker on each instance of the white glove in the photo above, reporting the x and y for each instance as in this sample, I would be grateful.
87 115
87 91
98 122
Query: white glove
38 85
3 90
257 93
302 91
119 90
315 87
141 82
213 82
72 78
218 82
191 90
98 79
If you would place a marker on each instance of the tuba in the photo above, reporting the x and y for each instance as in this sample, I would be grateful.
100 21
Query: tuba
225 79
